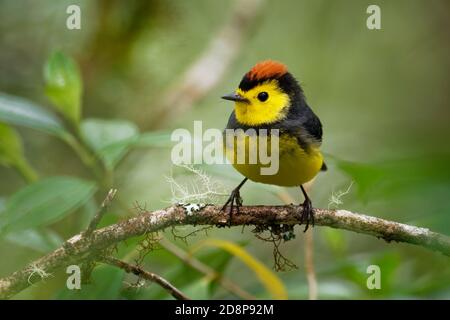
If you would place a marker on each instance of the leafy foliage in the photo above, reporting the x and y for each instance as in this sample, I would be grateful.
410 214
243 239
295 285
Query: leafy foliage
19 111
10 146
44 202
64 86
11 152
39 240
110 139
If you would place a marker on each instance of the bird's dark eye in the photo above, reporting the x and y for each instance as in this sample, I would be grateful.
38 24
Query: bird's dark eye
263 96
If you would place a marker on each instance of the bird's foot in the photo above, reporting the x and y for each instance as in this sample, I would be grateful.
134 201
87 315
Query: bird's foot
307 215
235 201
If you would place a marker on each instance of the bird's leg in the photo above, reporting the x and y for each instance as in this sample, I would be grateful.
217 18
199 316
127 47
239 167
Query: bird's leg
235 197
307 211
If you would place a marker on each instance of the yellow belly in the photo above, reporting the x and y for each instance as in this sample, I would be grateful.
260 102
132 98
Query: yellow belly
295 165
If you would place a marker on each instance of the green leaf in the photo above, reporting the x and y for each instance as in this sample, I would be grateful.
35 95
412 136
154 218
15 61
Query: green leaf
44 202
10 145
219 260
64 85
110 139
198 290
11 153
39 240
154 139
19 111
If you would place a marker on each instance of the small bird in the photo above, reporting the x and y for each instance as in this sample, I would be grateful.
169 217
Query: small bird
269 97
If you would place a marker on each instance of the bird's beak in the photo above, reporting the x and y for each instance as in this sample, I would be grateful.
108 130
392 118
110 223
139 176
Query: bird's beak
234 97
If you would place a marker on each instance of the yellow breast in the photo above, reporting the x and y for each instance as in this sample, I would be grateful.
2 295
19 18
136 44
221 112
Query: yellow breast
295 165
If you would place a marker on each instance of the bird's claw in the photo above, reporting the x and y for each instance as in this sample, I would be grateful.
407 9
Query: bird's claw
307 215
235 201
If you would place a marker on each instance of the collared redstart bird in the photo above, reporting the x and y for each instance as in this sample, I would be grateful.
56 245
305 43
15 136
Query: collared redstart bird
269 97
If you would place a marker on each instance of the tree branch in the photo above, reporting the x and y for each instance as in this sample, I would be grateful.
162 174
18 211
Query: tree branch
101 211
80 248
150 276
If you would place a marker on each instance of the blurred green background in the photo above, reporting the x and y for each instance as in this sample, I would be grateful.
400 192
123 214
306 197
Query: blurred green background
382 95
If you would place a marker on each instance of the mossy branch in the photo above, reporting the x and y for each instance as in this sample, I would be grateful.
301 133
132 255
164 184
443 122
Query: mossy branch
81 248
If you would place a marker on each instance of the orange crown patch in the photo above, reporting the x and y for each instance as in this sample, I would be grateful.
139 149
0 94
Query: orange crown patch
267 69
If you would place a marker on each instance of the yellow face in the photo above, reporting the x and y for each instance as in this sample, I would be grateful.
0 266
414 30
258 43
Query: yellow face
267 103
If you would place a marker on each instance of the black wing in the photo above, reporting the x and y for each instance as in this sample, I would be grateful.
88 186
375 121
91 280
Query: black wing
312 124
306 126
314 128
